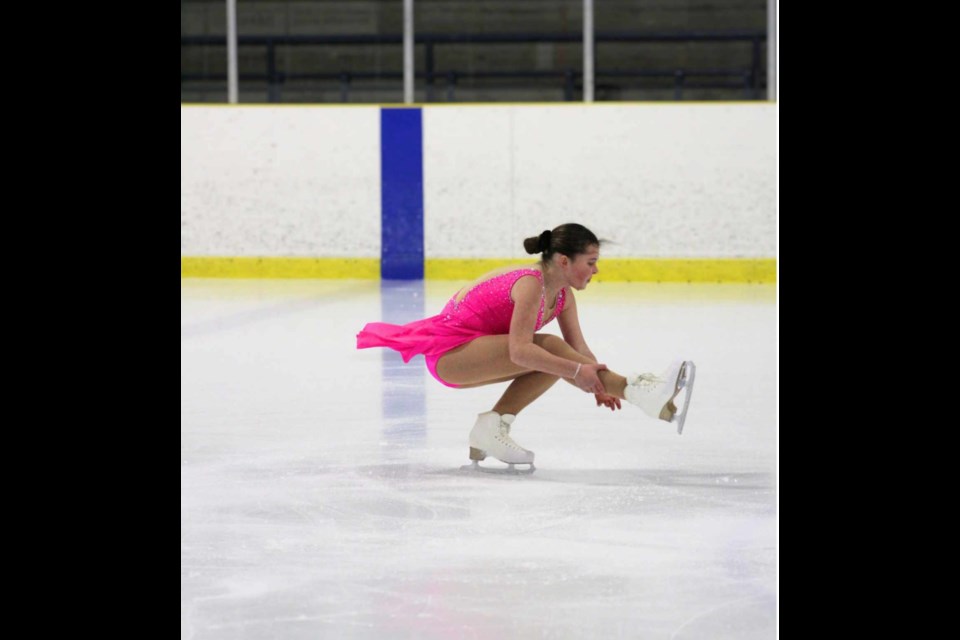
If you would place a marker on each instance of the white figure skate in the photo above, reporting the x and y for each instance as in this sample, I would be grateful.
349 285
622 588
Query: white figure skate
656 394
491 436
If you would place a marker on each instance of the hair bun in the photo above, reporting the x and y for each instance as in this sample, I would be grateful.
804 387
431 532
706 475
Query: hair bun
544 244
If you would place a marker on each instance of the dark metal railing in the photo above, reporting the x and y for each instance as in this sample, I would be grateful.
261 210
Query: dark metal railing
751 80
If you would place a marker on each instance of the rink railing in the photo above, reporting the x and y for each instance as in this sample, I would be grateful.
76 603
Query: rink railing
441 85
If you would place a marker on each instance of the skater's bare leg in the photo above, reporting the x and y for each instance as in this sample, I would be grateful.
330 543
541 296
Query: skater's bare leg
523 391
487 360
614 383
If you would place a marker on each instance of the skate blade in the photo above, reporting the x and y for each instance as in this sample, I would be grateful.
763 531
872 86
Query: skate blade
510 470
685 380
669 411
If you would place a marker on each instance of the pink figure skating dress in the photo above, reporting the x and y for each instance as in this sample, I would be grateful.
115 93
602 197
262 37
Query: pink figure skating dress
485 310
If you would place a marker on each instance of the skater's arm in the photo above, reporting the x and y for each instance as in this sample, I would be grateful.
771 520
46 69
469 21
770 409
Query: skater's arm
569 323
526 296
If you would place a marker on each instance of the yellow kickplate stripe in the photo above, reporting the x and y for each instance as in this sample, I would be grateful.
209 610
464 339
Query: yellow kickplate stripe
464 268
753 270
244 267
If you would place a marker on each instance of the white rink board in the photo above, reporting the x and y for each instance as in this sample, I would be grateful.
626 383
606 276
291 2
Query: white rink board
280 181
657 180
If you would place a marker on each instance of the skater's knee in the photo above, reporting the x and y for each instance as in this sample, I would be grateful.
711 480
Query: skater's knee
550 342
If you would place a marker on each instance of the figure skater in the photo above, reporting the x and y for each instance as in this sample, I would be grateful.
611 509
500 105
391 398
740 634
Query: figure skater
488 333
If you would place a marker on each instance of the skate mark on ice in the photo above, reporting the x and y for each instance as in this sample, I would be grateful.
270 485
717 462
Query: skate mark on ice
769 618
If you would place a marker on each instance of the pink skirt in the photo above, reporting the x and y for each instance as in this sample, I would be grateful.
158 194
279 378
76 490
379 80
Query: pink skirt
428 337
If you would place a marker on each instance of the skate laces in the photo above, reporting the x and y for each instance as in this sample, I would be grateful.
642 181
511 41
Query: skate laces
647 381
504 436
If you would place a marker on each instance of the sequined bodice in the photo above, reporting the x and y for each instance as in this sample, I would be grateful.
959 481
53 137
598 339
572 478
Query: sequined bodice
488 306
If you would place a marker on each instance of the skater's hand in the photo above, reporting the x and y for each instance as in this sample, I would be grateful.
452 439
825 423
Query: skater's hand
606 400
588 380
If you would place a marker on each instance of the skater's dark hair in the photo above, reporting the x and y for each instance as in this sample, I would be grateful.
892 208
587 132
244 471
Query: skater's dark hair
568 240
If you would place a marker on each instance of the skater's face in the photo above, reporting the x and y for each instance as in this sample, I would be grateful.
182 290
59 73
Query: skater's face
581 268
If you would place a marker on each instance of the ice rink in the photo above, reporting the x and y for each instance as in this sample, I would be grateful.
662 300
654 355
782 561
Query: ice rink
321 494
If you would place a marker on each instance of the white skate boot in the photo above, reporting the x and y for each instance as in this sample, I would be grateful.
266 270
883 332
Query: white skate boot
655 394
491 436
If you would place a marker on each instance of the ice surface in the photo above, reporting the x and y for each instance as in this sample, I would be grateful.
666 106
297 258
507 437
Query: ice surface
321 496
